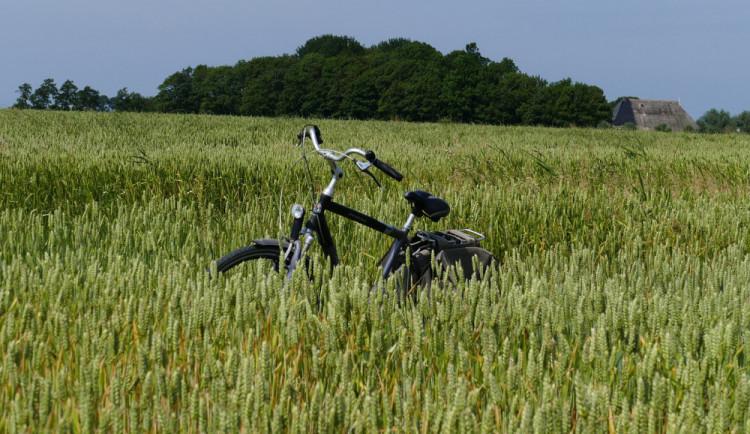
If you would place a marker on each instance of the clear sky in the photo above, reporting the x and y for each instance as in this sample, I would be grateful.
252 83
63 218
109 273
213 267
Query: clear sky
688 50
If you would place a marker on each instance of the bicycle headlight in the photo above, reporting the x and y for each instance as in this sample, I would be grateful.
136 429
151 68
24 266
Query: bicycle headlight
298 211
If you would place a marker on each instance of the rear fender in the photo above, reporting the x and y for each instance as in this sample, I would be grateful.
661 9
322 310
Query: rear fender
271 242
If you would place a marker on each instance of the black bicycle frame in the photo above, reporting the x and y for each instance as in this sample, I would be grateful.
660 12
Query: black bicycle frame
319 224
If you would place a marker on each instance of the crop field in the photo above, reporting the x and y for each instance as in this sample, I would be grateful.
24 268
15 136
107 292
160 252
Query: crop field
621 303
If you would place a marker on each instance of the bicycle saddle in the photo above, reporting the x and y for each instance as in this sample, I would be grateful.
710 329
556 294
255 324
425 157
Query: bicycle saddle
425 204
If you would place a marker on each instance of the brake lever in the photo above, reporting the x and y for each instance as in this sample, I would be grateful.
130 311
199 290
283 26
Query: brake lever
363 166
373 178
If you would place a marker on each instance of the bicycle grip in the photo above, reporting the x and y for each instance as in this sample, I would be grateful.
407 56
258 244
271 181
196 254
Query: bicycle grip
384 167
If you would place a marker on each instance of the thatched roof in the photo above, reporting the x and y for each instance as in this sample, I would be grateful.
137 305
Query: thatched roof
646 114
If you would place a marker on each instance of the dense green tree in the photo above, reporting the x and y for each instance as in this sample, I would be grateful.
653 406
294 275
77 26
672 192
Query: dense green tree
304 94
462 83
360 100
563 104
391 44
219 89
105 103
125 101
24 97
714 121
503 99
409 83
331 46
338 75
741 122
176 94
263 84
44 95
66 97
589 105
502 68
489 94
89 99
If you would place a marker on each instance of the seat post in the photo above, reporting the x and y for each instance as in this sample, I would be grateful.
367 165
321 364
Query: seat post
409 221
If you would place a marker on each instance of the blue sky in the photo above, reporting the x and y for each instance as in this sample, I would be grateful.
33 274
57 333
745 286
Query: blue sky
694 51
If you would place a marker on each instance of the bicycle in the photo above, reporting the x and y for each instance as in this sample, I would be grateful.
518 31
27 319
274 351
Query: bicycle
448 248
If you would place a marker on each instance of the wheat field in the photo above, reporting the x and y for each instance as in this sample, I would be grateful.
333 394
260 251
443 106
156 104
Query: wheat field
621 304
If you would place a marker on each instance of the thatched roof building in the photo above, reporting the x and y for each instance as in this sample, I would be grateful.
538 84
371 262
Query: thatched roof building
646 114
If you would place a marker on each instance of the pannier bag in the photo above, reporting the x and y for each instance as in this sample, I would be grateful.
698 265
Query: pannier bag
454 250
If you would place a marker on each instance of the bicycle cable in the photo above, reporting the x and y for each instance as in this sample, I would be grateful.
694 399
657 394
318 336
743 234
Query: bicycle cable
283 185
308 178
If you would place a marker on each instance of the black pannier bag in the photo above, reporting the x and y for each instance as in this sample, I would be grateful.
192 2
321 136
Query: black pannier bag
453 249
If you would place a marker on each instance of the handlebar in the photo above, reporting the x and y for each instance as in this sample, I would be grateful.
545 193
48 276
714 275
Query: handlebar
334 156
384 167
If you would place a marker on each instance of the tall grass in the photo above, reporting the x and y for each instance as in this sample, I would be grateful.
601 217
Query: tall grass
621 302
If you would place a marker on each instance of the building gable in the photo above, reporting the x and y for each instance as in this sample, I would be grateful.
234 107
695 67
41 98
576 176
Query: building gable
648 114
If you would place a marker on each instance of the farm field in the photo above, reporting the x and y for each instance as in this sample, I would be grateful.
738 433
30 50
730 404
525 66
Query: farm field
622 301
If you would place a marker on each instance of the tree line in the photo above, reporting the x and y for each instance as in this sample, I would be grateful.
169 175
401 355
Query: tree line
69 97
337 77
720 121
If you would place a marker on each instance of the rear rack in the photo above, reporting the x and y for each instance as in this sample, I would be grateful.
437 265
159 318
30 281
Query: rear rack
477 236
451 238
